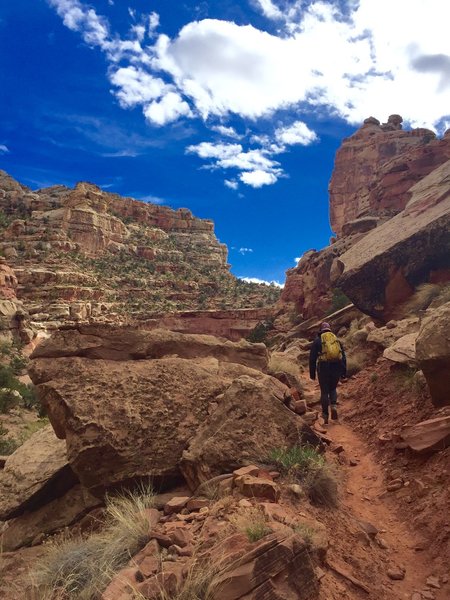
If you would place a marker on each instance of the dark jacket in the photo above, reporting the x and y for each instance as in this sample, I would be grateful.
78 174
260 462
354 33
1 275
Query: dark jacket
316 350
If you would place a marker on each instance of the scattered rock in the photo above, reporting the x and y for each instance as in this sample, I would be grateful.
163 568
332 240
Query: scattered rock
176 504
394 485
428 436
396 573
256 487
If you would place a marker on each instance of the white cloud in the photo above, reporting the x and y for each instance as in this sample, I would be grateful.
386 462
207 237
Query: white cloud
258 178
261 281
256 168
379 58
269 9
297 133
231 183
245 250
297 259
169 108
4 149
227 131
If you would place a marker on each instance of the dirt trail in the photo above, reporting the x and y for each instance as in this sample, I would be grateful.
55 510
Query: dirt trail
364 498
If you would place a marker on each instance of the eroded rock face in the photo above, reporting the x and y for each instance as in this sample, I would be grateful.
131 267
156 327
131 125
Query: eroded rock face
34 474
238 429
376 167
55 515
128 402
382 269
433 353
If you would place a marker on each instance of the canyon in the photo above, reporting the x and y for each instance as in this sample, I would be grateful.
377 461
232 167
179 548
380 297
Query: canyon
175 448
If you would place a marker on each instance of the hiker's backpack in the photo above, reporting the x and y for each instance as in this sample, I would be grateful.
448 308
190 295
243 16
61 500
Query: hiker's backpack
331 348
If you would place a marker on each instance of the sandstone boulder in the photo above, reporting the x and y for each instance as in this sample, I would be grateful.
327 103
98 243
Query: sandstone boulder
403 351
382 269
428 436
394 330
119 343
36 473
250 420
55 515
126 419
252 574
433 353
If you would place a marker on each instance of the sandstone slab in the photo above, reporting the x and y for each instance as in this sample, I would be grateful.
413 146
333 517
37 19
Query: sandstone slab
428 436
382 269
239 430
37 472
403 351
433 353
55 515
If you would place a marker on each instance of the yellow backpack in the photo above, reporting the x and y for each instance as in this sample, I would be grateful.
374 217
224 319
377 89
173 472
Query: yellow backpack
331 348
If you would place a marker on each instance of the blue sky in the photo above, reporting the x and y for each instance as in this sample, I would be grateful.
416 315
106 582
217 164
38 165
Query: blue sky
231 108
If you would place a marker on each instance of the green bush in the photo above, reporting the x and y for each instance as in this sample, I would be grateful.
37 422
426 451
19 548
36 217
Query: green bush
338 300
7 444
305 464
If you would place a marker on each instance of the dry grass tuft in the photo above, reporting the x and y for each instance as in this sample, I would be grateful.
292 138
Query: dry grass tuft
424 295
252 522
81 568
305 464
284 364
356 361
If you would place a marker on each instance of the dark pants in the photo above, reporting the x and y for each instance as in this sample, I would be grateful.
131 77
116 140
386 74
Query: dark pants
329 374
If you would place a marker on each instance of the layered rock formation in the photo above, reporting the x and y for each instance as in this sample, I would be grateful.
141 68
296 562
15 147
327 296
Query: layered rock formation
85 254
383 269
376 167
389 207
145 396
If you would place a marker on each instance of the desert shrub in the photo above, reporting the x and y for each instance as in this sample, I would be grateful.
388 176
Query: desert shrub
424 295
18 363
356 361
338 300
7 444
283 364
259 333
305 531
305 464
252 522
80 568
8 399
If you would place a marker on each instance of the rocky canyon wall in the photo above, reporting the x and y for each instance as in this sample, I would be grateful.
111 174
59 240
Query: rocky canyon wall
380 172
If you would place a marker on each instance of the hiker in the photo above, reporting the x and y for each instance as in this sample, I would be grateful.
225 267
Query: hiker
328 354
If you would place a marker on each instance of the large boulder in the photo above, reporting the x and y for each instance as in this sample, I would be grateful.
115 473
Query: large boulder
428 436
249 421
126 419
34 474
126 343
403 351
382 270
433 353
55 515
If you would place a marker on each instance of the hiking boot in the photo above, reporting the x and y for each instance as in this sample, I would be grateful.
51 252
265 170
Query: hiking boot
325 419
334 414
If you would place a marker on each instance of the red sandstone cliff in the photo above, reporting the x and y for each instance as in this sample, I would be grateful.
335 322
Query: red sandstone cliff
375 171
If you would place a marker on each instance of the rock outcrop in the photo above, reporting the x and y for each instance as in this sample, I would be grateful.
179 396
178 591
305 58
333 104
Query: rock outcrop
34 474
377 172
382 270
376 167
144 397
433 353
238 429
87 255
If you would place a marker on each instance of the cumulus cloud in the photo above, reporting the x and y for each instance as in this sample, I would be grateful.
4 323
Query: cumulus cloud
231 183
297 133
257 169
4 149
262 281
245 250
227 132
349 59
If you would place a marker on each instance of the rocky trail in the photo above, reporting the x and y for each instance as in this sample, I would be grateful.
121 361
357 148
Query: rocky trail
389 556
